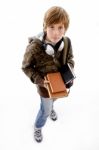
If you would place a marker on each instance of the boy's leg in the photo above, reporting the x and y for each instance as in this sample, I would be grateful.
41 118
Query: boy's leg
45 110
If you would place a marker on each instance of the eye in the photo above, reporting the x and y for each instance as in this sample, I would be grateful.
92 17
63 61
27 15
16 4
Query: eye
52 27
60 28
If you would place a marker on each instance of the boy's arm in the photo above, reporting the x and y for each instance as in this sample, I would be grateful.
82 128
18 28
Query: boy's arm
70 54
28 67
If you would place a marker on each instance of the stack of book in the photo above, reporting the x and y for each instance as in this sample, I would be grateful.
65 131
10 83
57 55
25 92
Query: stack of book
56 87
57 81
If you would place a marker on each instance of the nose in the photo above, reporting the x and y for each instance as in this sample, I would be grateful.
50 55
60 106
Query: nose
56 32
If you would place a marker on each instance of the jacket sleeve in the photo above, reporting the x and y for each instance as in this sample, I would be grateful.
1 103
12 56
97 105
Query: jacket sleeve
70 55
28 66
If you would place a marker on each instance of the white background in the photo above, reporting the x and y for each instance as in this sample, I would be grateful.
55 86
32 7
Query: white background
77 127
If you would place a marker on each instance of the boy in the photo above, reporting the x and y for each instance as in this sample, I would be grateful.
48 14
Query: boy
45 54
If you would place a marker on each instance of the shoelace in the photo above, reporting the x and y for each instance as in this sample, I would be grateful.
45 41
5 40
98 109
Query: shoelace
53 114
38 133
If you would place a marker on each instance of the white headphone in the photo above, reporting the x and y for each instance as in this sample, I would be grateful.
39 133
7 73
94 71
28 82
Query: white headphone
50 49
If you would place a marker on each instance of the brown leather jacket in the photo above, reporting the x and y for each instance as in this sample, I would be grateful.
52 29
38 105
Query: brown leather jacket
36 63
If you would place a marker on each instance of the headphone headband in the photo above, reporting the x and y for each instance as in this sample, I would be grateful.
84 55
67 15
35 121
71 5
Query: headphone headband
50 49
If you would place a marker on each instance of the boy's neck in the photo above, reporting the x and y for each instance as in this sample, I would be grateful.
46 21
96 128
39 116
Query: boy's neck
48 41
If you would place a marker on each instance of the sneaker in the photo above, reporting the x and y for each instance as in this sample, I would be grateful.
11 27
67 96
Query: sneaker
53 115
38 134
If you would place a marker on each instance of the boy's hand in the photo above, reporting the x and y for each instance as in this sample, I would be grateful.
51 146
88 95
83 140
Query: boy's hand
45 83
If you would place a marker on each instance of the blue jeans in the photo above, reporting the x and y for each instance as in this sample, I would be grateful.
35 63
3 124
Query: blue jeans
45 110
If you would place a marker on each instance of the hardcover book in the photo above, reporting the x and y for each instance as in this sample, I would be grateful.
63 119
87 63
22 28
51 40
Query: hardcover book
56 87
67 73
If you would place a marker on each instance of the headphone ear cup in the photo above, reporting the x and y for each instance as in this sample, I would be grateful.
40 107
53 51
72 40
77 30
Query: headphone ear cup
49 50
61 46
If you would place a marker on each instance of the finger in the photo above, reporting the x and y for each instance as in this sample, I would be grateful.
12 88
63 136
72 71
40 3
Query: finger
46 81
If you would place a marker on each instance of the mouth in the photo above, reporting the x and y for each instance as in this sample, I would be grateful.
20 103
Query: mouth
56 39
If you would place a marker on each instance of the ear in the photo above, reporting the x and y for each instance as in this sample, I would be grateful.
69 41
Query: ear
44 29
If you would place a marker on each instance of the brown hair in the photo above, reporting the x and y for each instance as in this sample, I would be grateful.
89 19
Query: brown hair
56 15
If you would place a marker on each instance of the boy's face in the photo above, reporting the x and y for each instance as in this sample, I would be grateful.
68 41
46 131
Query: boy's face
55 32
